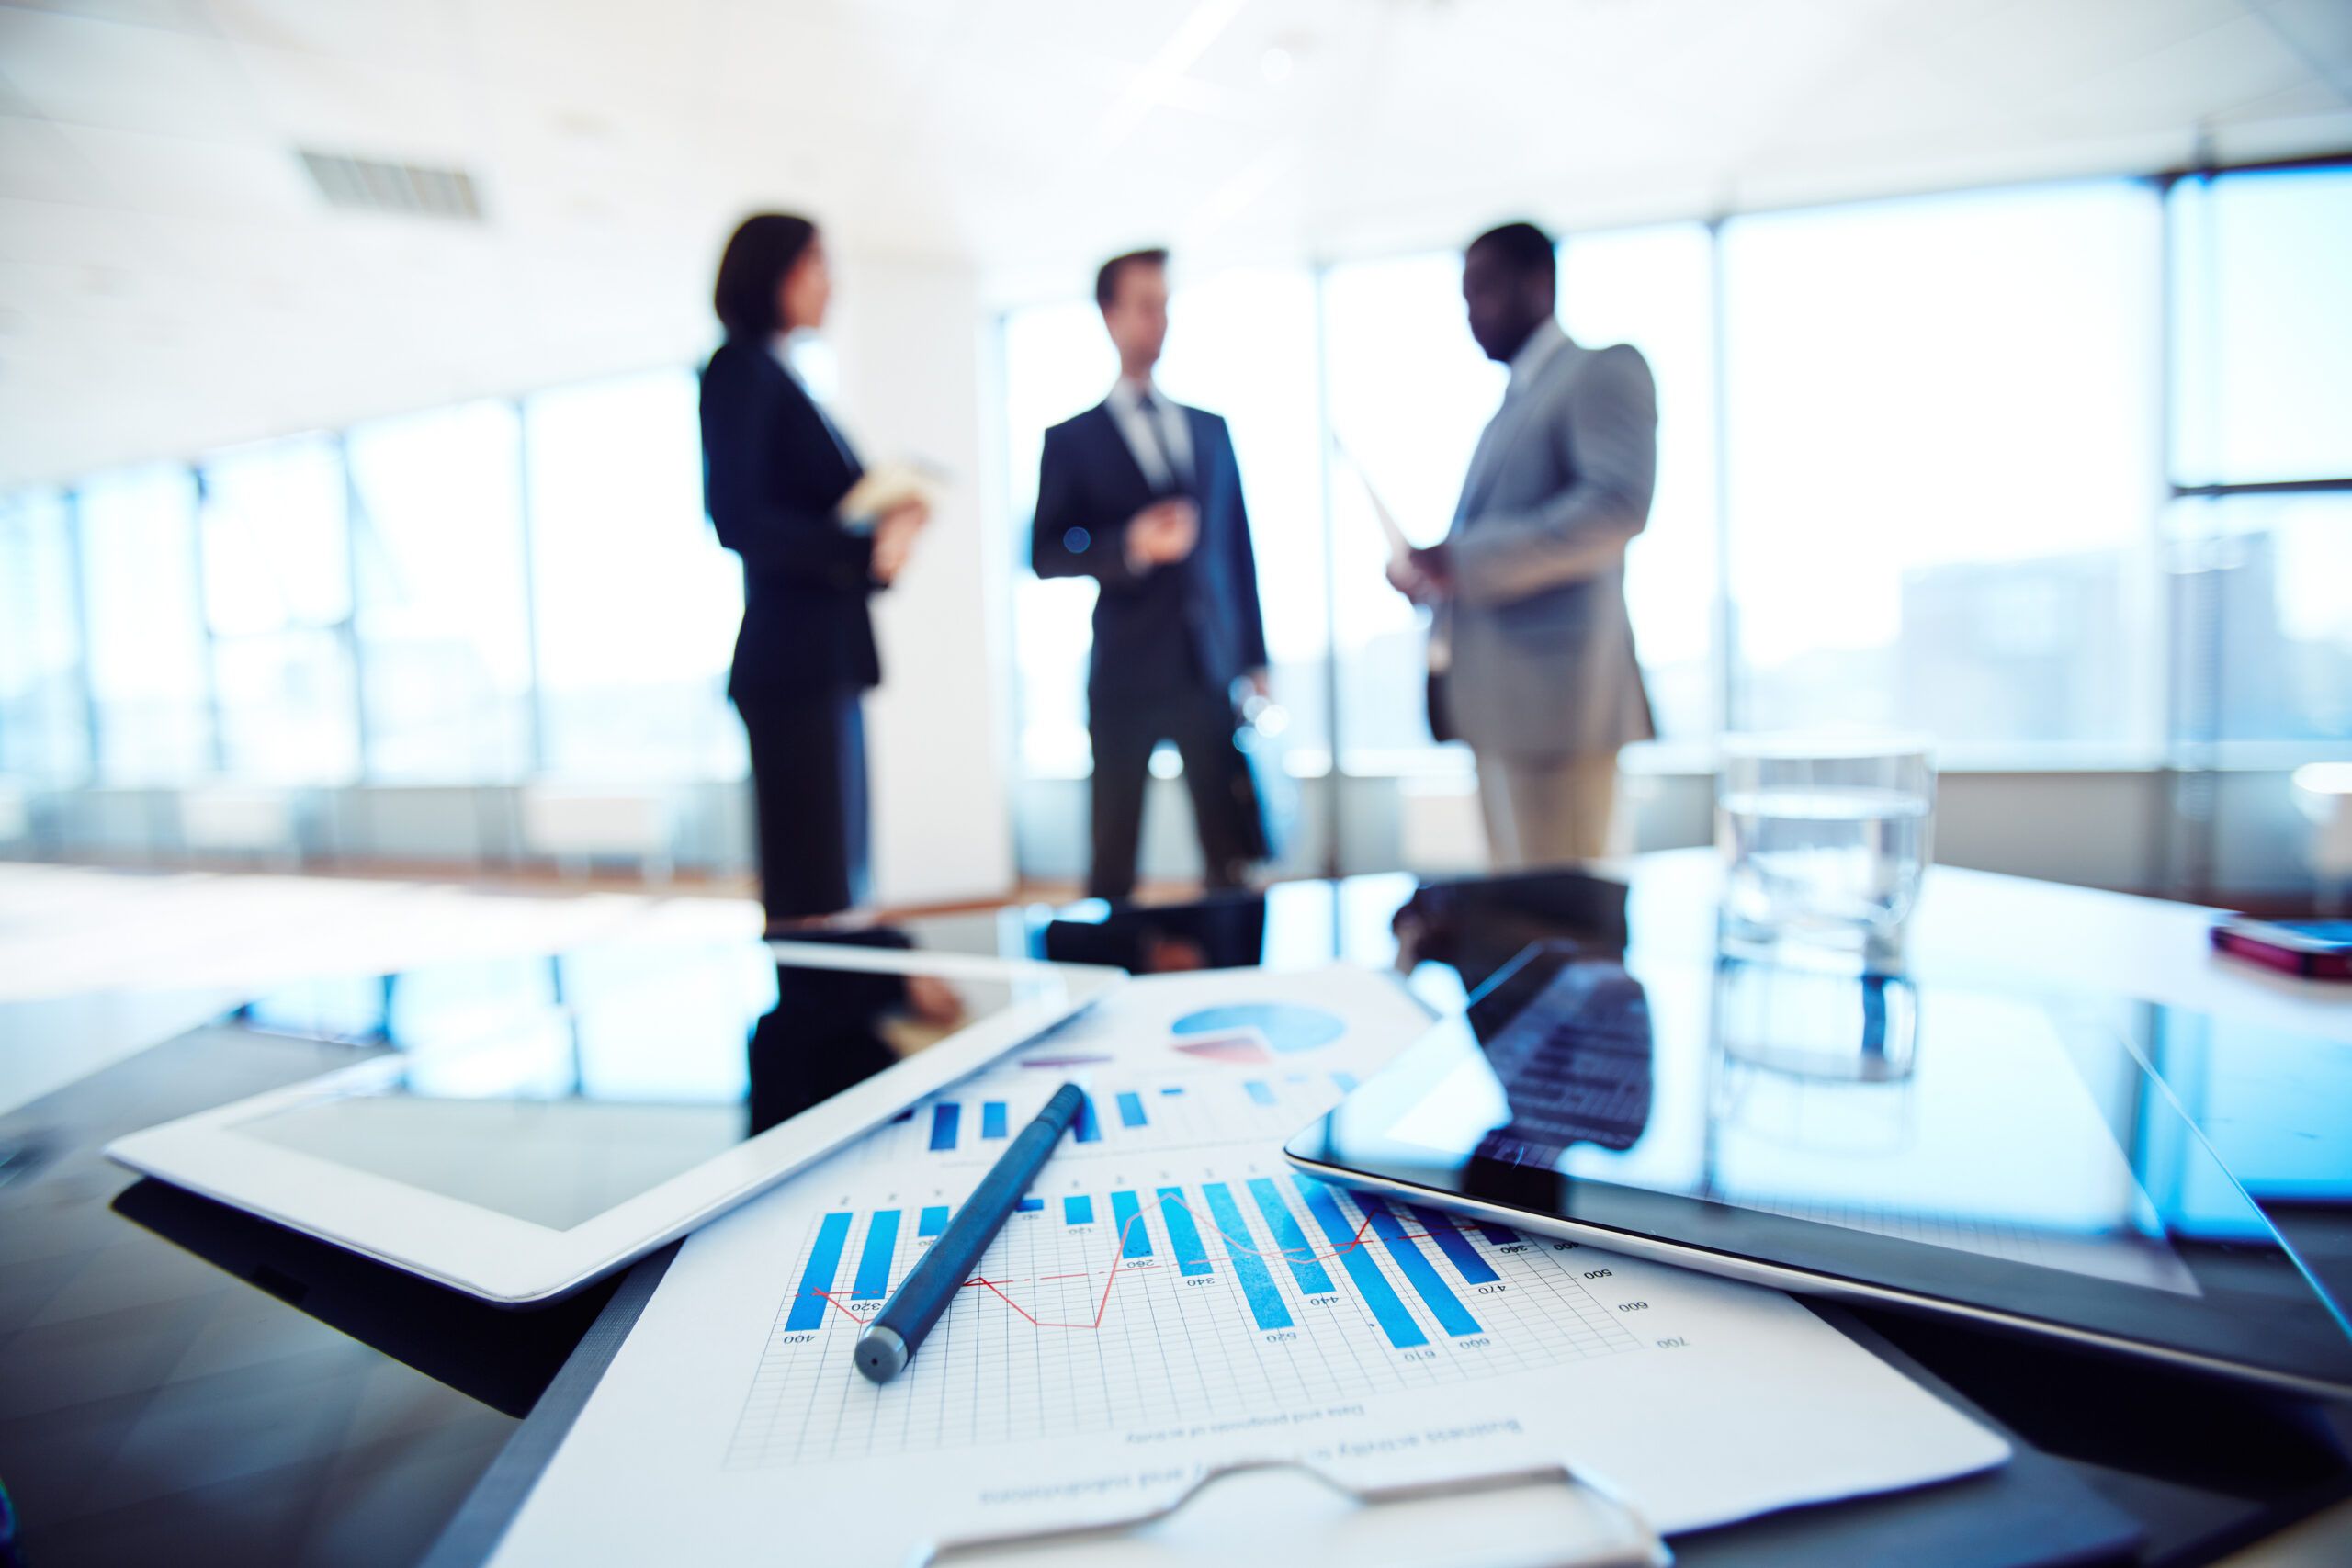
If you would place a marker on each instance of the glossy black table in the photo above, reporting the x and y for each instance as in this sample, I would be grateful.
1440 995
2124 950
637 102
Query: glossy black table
179 1382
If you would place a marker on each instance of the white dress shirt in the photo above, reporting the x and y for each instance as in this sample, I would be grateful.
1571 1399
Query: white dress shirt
1155 443
780 346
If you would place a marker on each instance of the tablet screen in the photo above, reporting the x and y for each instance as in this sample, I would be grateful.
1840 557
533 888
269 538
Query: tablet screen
551 1090
1971 1148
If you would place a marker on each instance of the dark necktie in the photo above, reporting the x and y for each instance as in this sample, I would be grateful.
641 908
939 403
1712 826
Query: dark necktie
1178 481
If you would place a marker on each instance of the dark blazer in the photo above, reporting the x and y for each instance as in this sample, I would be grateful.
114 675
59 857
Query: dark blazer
772 472
1194 622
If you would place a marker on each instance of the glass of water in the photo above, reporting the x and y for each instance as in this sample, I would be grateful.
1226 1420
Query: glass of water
1823 840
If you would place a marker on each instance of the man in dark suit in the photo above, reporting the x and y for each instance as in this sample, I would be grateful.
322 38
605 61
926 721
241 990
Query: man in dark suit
1143 495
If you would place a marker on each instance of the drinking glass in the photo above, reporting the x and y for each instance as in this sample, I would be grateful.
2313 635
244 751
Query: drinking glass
1823 840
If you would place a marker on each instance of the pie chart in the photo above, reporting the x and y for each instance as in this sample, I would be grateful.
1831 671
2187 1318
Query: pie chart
1233 1032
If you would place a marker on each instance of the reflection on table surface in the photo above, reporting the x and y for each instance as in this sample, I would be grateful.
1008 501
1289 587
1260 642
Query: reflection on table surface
671 1024
552 1089
2277 1104
2245 1081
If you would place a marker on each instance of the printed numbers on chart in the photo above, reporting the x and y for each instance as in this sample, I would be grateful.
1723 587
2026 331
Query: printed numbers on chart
1596 1273
1418 1355
1139 1262
1512 1246
1204 1280
796 1338
1633 1306
1492 1289
1476 1342
1320 1301
1564 1247
1675 1343
1279 1335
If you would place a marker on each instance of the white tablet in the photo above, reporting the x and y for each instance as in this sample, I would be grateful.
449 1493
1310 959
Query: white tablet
541 1122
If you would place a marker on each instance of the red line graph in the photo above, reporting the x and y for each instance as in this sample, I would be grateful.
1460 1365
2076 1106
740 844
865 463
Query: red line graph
1102 1303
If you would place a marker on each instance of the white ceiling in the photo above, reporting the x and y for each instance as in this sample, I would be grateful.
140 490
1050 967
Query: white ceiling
170 280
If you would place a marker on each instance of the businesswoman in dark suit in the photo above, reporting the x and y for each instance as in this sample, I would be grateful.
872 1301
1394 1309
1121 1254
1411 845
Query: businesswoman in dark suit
775 468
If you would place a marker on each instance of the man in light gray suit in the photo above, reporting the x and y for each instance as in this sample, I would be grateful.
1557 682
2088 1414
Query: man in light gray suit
1531 645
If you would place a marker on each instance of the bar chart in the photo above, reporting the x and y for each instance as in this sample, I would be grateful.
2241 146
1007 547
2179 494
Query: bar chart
972 1122
1169 1300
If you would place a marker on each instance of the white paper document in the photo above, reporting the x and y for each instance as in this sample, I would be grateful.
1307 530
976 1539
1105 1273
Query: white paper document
1172 1297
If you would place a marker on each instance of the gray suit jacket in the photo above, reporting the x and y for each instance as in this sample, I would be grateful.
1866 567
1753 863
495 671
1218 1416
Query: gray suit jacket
1541 651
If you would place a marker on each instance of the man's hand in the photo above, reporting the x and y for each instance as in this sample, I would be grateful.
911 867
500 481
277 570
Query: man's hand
1162 533
894 539
1424 575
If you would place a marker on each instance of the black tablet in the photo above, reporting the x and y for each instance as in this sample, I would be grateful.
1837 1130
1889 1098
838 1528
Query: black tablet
2001 1157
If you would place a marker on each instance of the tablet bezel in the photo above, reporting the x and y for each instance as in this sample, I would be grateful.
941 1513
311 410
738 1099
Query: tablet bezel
514 1262
1509 1197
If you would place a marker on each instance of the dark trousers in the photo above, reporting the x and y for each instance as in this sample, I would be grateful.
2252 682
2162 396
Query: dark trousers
808 790
1126 727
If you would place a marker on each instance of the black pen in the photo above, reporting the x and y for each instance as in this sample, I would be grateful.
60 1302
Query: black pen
889 1342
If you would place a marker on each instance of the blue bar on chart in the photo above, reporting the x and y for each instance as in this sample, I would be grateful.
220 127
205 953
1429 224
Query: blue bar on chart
824 1261
992 1119
1126 1216
1266 1303
1131 1111
1090 1130
1077 1211
1173 1089
873 1281
1260 1091
1371 1283
1346 1082
1419 1272
1455 1245
933 1221
1183 1235
1501 1235
1296 1249
943 1117
1030 1206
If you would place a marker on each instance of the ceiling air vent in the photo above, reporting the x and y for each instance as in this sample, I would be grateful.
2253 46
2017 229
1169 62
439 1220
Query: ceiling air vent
368 186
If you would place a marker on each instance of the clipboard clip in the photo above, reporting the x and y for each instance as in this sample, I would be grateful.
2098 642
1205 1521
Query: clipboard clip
1287 1508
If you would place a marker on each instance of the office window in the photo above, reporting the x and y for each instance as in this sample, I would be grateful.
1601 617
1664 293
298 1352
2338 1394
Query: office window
149 669
1242 344
2267 611
1056 362
44 735
636 604
276 555
2263 326
1409 393
437 533
1943 464
1653 289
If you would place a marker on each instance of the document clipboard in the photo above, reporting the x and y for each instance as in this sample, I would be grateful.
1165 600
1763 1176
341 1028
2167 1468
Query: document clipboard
1400 554
1400 549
